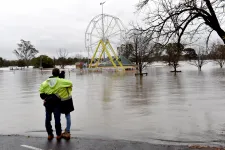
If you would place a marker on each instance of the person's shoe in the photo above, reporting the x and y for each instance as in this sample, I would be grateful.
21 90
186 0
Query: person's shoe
50 137
66 135
59 137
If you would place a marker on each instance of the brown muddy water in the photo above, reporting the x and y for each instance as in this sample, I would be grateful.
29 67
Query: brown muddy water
158 108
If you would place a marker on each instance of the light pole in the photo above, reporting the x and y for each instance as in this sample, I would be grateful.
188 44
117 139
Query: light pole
103 30
103 34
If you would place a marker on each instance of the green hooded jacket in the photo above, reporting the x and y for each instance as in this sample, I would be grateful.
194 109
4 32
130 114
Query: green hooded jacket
58 86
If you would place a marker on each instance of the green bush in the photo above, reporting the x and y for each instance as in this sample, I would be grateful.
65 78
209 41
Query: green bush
44 61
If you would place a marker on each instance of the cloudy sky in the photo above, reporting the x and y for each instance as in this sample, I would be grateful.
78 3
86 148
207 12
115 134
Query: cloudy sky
54 24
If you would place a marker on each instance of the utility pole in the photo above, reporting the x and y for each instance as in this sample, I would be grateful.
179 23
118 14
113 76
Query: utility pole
103 30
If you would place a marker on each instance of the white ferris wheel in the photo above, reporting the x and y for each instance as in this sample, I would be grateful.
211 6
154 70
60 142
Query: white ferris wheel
103 34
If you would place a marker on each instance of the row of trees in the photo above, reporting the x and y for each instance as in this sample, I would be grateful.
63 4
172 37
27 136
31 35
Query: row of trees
142 51
172 22
26 54
47 62
42 61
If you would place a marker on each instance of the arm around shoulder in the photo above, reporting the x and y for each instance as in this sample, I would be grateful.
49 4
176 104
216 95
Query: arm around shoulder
66 83
42 88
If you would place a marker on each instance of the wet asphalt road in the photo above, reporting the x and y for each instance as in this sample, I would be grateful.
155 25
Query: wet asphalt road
40 143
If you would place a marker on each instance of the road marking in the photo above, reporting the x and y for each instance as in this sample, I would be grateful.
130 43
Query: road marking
31 147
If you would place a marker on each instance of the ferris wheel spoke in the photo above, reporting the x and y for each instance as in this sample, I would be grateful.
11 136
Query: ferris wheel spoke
98 31
100 26
114 34
94 27
107 21
95 43
97 36
113 28
108 26
114 43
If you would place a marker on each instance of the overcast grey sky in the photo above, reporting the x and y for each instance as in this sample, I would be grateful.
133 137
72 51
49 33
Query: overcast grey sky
54 24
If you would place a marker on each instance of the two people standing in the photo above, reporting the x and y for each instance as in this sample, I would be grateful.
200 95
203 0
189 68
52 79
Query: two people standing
56 93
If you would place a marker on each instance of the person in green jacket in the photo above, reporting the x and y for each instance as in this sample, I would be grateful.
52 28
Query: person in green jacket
51 91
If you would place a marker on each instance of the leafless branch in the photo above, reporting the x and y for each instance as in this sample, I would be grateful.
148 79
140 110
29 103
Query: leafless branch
62 54
175 20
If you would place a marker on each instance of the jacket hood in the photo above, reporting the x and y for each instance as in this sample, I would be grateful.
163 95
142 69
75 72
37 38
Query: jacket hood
52 82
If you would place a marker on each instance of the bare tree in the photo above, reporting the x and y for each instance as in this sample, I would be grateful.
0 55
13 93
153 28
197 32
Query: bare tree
218 53
186 17
25 51
139 50
173 54
62 54
200 60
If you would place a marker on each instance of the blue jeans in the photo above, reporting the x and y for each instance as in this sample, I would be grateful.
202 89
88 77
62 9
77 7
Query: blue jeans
57 114
68 122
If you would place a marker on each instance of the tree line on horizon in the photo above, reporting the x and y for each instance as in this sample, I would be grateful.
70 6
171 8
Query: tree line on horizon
26 54
174 25
47 62
137 50
142 51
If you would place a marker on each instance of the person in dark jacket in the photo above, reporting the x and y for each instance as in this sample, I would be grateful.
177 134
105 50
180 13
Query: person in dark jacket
66 108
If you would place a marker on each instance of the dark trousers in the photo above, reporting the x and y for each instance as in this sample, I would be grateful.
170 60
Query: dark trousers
57 114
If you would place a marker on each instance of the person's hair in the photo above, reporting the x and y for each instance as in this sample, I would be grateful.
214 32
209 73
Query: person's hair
55 72
62 74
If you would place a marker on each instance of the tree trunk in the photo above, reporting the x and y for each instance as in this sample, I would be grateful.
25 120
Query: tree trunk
221 65
140 69
136 51
26 63
136 59
54 62
200 68
175 68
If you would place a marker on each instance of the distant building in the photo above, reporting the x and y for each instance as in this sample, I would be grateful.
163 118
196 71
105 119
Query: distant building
80 65
127 64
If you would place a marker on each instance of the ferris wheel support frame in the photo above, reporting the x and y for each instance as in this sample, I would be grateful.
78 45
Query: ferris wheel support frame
107 51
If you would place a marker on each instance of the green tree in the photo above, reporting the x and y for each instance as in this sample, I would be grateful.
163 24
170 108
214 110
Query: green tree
173 54
25 51
126 50
21 63
190 53
1 62
43 61
157 51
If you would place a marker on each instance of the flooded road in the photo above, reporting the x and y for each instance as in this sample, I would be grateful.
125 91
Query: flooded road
159 108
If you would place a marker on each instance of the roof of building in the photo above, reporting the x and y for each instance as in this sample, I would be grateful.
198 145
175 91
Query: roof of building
124 61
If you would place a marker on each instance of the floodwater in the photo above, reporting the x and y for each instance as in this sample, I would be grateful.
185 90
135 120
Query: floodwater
158 108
